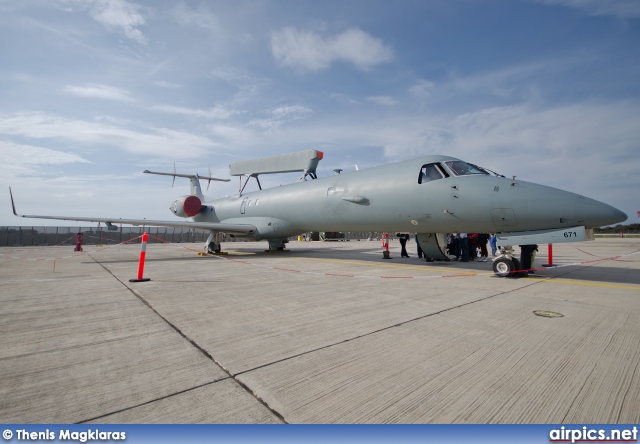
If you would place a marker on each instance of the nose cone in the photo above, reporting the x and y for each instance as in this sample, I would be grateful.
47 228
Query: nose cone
592 213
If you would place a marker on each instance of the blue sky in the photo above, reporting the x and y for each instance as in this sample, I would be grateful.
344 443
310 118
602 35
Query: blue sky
94 92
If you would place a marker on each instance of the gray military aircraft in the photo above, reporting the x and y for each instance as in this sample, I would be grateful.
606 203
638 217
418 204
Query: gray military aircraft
429 196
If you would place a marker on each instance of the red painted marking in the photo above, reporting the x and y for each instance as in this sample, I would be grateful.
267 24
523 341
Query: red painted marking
338 274
286 269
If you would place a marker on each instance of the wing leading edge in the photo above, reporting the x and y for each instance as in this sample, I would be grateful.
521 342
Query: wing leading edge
226 228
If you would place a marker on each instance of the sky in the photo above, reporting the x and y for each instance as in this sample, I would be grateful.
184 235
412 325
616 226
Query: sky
93 92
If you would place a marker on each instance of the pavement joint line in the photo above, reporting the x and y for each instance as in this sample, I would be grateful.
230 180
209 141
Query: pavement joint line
389 327
170 395
195 344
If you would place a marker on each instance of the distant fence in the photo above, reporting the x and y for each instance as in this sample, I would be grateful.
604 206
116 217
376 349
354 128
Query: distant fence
43 236
48 236
33 236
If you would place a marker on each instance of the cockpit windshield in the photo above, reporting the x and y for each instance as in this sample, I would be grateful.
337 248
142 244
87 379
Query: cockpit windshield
461 168
432 171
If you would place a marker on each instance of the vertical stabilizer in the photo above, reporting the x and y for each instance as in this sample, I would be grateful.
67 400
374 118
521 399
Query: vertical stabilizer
195 187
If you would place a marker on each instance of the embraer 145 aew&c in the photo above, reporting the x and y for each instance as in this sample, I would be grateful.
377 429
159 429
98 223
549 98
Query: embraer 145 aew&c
429 196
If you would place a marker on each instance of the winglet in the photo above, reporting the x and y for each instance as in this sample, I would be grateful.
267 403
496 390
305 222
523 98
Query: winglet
13 204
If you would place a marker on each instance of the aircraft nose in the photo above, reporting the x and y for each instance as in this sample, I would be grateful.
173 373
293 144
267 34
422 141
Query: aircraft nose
592 213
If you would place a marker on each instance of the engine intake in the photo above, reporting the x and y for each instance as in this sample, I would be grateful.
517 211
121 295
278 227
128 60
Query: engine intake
186 206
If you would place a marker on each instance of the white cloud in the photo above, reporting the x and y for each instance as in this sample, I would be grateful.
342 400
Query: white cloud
422 89
159 142
308 51
217 112
551 146
382 100
33 155
618 8
116 15
200 17
163 84
20 159
291 112
282 115
99 92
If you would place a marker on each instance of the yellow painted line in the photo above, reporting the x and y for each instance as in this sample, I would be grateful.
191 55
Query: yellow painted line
588 284
488 273
403 267
468 272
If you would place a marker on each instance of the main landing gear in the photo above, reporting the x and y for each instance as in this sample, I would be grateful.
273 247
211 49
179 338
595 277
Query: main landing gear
212 245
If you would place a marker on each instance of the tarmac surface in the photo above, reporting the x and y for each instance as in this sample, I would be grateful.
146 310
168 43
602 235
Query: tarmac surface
324 333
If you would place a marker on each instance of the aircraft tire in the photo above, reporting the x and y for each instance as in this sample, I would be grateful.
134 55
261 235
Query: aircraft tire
503 267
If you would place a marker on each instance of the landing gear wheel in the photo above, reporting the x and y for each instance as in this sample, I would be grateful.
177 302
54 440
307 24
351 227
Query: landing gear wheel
214 247
503 267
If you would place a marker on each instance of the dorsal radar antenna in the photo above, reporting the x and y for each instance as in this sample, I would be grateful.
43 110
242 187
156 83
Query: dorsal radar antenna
303 161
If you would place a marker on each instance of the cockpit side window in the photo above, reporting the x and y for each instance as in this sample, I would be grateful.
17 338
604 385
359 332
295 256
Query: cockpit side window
461 168
430 172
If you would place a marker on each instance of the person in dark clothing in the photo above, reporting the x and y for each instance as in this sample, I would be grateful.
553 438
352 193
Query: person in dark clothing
482 244
403 237
473 245
526 253
464 247
420 253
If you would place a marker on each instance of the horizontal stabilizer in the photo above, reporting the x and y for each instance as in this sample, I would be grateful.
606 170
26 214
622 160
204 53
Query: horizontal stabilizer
188 176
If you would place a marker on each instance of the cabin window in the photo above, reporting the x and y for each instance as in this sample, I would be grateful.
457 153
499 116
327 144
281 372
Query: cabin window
249 203
461 168
257 202
431 172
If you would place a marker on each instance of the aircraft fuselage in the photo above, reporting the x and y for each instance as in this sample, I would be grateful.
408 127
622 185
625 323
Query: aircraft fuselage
392 198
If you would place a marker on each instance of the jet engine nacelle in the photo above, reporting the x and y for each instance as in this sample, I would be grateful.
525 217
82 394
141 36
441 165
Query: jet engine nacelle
434 245
186 206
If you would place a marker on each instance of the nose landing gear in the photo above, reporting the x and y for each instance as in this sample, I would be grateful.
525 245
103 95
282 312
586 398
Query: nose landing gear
506 264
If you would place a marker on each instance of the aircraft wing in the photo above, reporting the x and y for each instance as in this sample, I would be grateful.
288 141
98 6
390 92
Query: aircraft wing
226 228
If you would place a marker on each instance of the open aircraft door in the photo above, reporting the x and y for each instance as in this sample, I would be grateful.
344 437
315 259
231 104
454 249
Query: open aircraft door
434 245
